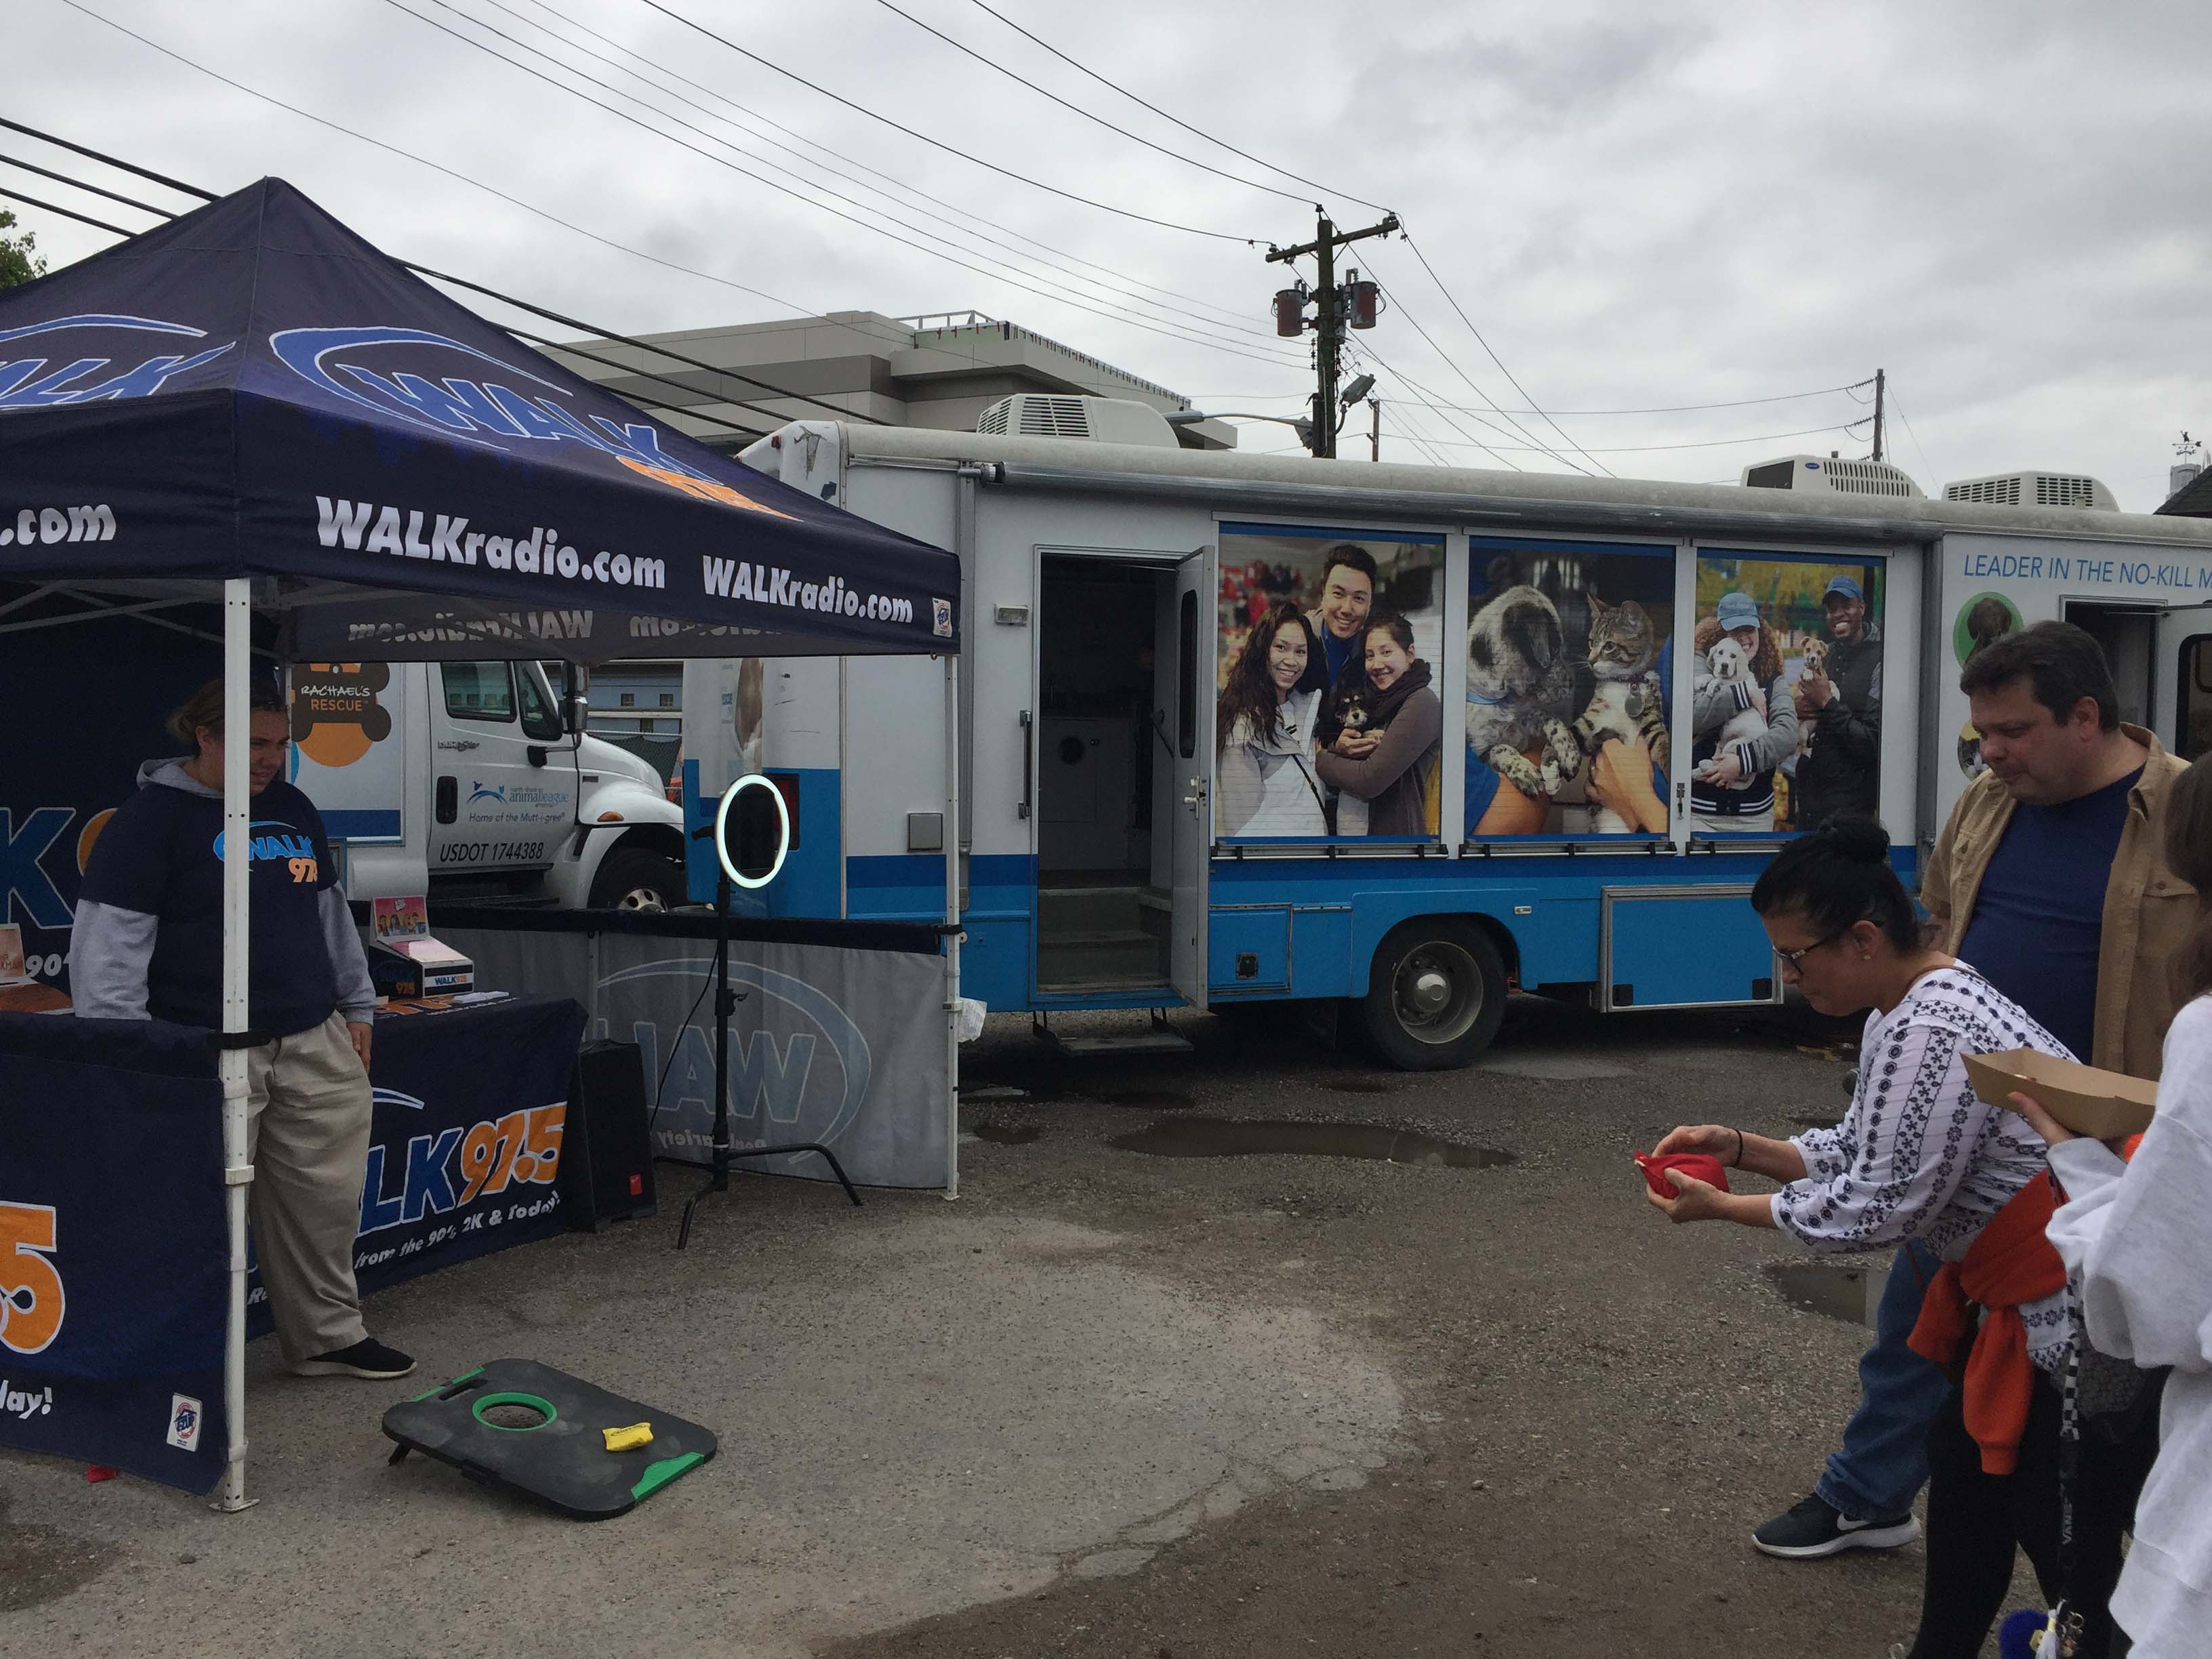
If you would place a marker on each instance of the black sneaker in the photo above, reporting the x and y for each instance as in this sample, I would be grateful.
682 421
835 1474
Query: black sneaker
1817 1528
367 1357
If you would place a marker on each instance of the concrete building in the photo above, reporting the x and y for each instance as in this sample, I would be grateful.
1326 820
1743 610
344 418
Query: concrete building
941 371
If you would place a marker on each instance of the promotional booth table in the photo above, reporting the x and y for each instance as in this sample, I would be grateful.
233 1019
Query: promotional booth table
112 1235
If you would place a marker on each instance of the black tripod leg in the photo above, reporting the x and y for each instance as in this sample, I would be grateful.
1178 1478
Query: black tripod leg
828 1157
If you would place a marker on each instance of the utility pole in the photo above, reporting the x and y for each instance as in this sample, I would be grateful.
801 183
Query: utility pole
1880 384
1356 302
1374 429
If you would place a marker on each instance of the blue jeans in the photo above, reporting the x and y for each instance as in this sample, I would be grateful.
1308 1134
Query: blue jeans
1883 1462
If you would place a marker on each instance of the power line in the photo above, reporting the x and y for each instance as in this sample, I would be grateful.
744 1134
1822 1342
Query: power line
79 183
668 138
66 213
805 159
1067 295
1076 109
390 149
938 143
1448 420
1710 443
1927 464
1670 409
64 143
1220 144
816 144
505 299
1485 344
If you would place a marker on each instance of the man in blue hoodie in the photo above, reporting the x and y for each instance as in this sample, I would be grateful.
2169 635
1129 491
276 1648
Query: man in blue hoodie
147 943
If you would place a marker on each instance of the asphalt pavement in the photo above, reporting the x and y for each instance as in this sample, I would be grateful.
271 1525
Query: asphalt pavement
1429 1379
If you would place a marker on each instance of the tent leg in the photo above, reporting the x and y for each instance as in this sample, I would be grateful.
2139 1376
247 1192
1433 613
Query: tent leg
952 923
238 1168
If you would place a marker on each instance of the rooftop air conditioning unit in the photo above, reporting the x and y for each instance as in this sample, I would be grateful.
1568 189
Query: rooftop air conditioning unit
1830 475
1088 420
2034 490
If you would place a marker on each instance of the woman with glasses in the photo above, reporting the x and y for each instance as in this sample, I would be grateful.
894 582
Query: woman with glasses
1919 1156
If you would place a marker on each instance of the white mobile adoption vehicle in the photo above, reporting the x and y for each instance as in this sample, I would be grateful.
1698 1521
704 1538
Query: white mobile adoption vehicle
1110 588
492 787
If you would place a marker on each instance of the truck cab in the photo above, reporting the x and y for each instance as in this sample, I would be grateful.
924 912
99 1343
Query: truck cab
480 782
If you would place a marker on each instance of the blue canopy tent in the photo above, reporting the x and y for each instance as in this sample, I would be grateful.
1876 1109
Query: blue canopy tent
252 396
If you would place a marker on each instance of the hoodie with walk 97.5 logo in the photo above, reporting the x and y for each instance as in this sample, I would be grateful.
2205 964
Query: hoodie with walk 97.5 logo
148 940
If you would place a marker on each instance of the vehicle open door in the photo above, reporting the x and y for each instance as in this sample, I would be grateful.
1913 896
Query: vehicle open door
1195 626
2185 658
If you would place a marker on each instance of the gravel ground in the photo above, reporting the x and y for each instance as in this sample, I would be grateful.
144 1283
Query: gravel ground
1601 1405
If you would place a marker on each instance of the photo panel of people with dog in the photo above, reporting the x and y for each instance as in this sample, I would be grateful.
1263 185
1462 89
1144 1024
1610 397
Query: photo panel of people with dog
1785 716
1328 724
1567 648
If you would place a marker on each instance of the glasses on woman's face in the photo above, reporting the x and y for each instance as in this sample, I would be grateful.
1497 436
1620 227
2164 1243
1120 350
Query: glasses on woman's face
1796 958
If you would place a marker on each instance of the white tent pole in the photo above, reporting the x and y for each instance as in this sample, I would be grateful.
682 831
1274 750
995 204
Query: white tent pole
237 854
952 920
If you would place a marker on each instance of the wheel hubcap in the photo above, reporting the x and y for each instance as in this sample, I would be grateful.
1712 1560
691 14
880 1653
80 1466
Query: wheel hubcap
1437 991
640 898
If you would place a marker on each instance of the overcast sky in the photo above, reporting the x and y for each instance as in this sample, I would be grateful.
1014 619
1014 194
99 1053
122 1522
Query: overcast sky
2005 203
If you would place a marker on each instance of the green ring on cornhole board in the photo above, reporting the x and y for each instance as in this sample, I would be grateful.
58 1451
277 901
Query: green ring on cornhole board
477 1410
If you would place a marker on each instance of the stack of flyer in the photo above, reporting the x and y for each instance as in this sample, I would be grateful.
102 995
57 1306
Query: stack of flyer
402 927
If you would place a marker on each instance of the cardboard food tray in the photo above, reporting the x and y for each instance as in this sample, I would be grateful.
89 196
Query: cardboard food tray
2085 1100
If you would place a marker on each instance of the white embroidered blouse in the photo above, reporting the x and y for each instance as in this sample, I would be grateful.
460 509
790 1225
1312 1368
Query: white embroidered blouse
1919 1155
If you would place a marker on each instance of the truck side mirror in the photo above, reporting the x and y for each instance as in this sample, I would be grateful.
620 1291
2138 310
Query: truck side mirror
575 715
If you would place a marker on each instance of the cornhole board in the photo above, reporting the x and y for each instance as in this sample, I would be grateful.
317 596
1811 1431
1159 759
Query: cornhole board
561 1461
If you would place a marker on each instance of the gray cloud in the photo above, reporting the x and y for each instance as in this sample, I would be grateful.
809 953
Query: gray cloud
2003 203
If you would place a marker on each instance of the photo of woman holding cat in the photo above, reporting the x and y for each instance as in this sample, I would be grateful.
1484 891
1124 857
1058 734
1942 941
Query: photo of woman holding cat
1264 779
1385 759
1566 725
1742 722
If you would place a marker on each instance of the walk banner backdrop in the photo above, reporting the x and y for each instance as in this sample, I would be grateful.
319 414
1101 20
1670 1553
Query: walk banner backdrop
841 1047
112 1259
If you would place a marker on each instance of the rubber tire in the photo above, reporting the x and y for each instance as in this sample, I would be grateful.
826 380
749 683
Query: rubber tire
631 869
1462 949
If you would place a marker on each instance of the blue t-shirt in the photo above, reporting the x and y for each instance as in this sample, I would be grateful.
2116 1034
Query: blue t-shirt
2039 913
160 855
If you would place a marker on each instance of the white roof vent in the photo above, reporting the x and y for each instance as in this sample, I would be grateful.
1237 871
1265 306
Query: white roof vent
1831 474
1089 420
2034 490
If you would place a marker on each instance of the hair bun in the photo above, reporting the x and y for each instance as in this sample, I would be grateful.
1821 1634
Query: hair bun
1857 837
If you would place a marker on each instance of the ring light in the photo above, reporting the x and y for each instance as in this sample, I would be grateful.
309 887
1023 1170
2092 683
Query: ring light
783 830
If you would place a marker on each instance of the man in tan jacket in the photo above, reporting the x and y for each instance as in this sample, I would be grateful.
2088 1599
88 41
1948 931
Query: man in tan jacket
2047 879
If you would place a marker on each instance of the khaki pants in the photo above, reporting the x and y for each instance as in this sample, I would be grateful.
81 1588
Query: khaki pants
1749 823
308 1130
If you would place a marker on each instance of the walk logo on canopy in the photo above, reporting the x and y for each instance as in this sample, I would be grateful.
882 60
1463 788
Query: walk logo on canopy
363 365
77 377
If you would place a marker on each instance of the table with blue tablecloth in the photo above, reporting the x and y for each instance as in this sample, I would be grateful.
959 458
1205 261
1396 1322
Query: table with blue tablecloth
112 1245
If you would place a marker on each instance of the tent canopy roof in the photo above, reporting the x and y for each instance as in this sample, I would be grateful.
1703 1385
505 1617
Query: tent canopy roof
253 390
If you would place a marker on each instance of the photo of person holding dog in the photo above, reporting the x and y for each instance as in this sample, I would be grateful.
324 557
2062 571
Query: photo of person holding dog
1812 632
1381 739
1367 610
1741 719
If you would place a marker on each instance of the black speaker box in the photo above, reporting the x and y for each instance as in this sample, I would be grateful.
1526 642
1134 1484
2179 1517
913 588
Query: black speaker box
606 1148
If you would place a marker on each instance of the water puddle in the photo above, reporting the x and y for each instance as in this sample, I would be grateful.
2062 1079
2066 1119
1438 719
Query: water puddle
1216 1137
1007 1135
1842 1292
1357 1085
40 1563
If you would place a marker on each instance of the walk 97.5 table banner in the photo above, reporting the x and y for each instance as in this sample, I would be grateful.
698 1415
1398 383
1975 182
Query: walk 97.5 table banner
111 1246
465 1148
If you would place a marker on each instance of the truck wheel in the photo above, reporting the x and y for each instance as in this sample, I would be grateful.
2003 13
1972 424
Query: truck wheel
636 878
1434 995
